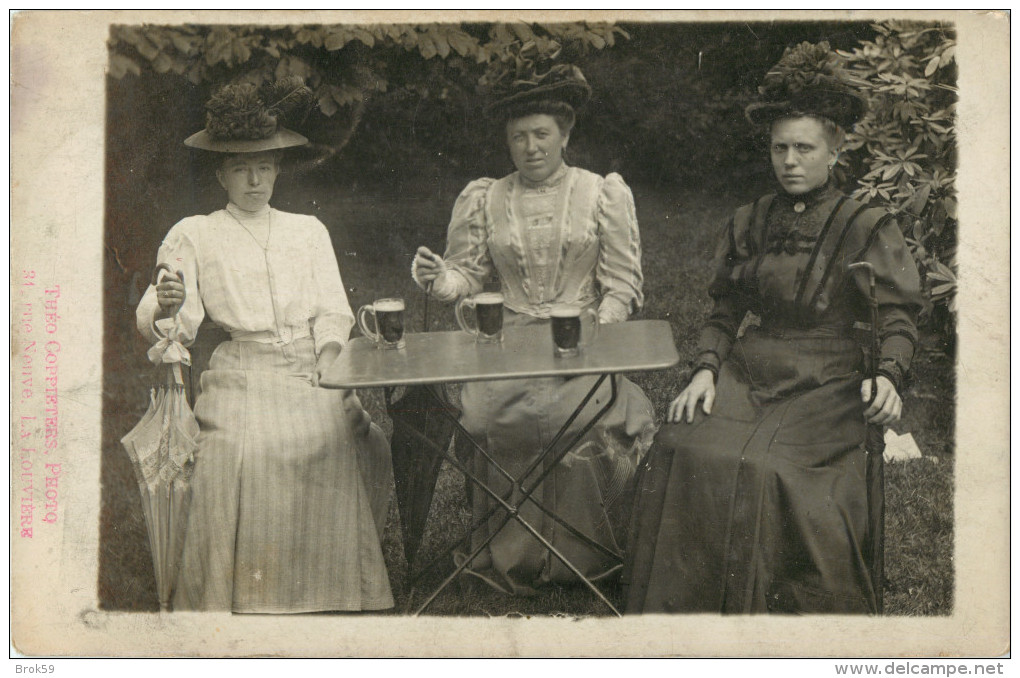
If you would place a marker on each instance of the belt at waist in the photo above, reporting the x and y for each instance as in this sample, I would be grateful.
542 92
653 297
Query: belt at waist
543 309
821 331
288 335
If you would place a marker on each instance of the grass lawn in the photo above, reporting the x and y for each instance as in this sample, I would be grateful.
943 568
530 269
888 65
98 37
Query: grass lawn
375 233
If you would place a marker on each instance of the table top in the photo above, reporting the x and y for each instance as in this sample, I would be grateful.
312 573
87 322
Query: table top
526 351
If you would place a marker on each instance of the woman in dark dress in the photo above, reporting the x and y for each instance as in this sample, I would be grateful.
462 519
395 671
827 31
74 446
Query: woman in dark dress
755 498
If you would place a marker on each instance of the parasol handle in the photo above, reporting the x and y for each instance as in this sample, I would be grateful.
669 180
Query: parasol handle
873 312
155 278
428 293
164 267
425 323
867 266
155 272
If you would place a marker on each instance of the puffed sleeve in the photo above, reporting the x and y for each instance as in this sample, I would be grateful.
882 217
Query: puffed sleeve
179 252
898 291
467 251
332 318
618 271
729 307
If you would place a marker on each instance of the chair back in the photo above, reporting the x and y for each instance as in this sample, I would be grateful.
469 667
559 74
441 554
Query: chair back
209 336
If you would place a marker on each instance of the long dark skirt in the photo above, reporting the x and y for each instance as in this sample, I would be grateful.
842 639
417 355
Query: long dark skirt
763 506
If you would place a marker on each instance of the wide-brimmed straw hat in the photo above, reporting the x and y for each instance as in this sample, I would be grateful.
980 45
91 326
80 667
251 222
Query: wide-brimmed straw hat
562 82
808 80
248 118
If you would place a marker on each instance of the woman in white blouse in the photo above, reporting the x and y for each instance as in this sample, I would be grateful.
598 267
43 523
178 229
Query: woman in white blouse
291 483
554 234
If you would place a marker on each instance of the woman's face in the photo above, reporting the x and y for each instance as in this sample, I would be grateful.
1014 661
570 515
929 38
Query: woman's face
801 154
249 179
536 145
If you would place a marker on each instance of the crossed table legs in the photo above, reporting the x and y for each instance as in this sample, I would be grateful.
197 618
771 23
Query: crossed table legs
509 504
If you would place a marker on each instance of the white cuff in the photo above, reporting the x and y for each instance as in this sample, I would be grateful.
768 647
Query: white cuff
414 273
613 311
445 287
163 327
331 327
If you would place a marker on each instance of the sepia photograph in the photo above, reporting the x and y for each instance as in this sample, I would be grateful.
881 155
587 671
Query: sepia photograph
633 321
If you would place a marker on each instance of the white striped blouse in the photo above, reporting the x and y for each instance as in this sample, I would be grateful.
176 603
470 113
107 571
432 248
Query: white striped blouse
572 238
276 291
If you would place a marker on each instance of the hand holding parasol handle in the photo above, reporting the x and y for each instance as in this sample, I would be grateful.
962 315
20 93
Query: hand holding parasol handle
170 296
170 291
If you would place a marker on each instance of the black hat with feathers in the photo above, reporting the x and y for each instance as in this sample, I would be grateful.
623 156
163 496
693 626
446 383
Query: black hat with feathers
562 82
809 80
249 118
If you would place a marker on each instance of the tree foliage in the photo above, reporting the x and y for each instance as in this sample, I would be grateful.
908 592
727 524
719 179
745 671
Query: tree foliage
906 146
345 65
667 107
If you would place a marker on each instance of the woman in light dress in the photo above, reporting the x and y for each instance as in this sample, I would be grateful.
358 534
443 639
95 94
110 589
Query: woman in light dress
554 234
291 482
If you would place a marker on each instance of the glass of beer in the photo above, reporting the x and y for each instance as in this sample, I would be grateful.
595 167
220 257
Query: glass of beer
488 317
388 315
567 329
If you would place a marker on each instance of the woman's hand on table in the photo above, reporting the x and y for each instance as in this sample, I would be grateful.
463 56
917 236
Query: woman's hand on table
427 266
887 407
701 389
170 294
327 356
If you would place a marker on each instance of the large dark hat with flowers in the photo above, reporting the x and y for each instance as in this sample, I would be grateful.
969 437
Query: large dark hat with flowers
562 82
809 80
248 118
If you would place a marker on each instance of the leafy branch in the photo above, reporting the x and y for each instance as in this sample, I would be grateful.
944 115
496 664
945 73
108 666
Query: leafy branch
906 146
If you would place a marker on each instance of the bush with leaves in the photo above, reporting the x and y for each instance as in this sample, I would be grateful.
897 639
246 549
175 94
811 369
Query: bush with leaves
904 150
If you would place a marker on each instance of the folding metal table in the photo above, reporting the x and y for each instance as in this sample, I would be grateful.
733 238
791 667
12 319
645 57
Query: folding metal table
435 358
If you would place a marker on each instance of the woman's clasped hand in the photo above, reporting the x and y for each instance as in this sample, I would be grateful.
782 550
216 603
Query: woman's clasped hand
887 406
427 266
170 293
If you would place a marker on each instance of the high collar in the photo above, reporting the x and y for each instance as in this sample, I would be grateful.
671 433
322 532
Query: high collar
553 179
245 214
813 197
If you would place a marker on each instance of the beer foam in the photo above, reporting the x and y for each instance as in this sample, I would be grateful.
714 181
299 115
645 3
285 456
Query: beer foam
565 312
388 305
488 298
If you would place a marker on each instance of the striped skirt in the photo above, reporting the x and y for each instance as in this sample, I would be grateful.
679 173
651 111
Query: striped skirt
290 490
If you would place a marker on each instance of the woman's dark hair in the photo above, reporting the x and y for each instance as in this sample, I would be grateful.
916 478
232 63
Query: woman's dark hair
835 134
561 112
